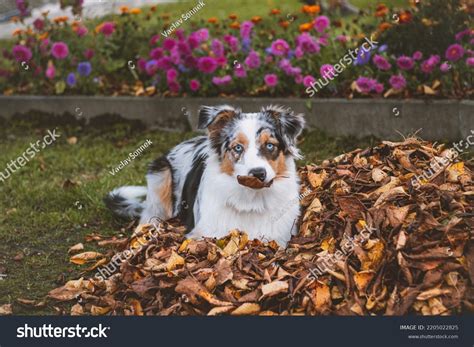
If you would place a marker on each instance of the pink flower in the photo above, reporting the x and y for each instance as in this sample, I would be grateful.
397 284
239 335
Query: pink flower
405 63
202 35
220 81
299 79
156 53
60 50
50 71
168 44
365 84
398 82
239 71
194 85
327 70
341 38
38 24
154 39
307 80
174 86
81 31
429 64
217 47
88 53
246 29
454 52
21 53
321 23
271 80
279 47
151 67
171 75
381 63
378 88
463 33
470 61
207 64
107 28
417 55
307 43
445 67
253 60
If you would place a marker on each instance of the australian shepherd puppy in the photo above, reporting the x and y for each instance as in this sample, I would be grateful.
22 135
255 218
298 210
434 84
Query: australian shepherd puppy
241 175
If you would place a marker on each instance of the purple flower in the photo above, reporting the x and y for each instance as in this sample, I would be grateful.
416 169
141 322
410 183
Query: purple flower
445 67
60 50
22 6
253 60
279 47
194 85
168 44
81 31
417 55
381 63
71 79
398 82
207 64
84 68
326 71
217 48
246 29
365 84
454 52
22 53
307 80
382 48
363 57
141 63
405 63
154 39
156 53
220 81
271 80
151 67
321 23
470 61
307 43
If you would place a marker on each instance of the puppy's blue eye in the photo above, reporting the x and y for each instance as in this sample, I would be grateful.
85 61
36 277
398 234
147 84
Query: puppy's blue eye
238 148
270 146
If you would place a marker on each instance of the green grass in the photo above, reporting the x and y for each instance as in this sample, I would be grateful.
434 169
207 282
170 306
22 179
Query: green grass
41 218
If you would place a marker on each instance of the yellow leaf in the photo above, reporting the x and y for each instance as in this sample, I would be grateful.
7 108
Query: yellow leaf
85 257
174 261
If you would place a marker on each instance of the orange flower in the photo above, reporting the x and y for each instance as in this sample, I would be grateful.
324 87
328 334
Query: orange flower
305 27
43 36
275 11
256 19
235 25
405 17
17 32
123 9
212 20
284 24
60 19
153 8
98 28
381 10
233 16
314 9
15 19
384 26
135 10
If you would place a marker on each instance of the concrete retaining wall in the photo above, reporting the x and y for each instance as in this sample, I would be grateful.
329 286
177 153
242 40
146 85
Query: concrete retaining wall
437 120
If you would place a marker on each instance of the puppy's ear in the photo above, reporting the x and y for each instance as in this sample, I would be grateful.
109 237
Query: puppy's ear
289 125
214 118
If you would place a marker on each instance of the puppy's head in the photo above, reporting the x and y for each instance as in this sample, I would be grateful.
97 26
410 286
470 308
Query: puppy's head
256 145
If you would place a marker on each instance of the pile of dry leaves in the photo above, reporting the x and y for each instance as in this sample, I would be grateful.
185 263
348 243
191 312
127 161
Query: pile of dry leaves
416 255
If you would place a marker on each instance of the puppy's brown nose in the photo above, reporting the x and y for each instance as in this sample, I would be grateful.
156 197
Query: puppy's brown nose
258 172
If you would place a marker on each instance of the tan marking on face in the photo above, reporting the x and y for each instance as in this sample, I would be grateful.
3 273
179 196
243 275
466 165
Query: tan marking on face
230 157
279 165
165 192
266 137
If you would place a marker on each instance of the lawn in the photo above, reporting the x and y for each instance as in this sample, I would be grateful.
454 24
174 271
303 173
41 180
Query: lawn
55 200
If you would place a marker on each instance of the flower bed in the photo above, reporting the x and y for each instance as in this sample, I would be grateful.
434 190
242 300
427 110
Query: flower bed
279 55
